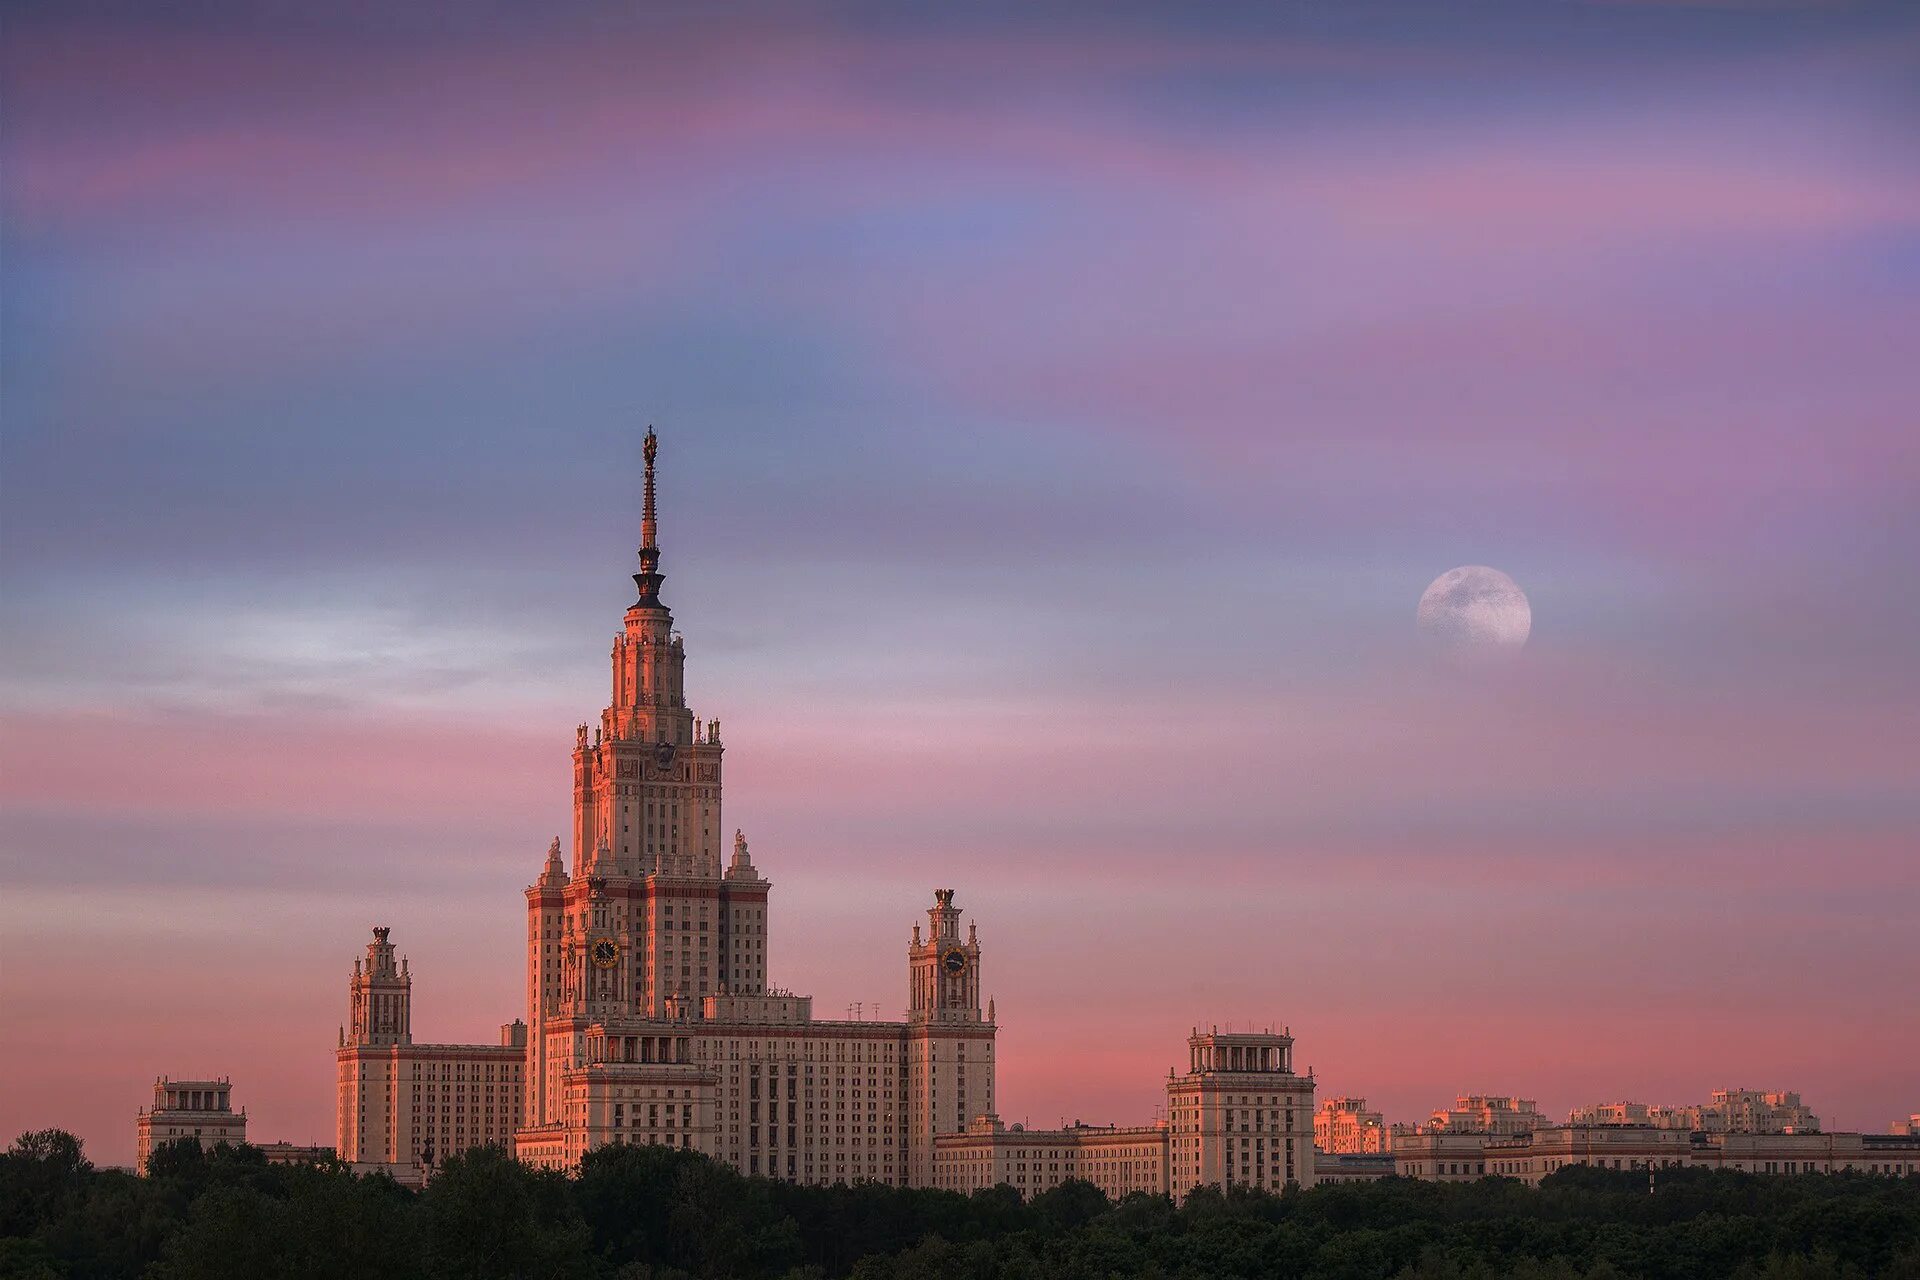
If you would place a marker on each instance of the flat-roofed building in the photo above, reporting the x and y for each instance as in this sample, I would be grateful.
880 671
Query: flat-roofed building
1331 1167
296 1153
1726 1111
1488 1113
1120 1160
1533 1155
1897 1156
1440 1155
1456 1156
1240 1116
198 1109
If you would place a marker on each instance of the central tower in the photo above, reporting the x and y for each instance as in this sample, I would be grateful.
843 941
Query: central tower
646 788
642 924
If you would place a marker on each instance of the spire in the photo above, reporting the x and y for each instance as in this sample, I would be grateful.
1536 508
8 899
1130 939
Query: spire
648 579
649 526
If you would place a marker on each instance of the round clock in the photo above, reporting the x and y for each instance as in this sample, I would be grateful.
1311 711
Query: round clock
954 961
605 952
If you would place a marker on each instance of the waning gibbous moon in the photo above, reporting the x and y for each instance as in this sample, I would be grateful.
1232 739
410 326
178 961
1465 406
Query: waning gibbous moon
1474 609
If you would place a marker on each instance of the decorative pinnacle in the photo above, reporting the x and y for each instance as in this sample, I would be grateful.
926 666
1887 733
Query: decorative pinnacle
649 577
649 529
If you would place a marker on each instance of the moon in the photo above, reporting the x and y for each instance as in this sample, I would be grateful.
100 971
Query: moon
1475 610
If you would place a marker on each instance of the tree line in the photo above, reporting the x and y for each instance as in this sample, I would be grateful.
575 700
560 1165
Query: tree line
653 1213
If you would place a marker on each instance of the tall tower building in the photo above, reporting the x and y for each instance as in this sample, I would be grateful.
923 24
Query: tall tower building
400 1106
650 1017
1240 1116
946 1035
380 996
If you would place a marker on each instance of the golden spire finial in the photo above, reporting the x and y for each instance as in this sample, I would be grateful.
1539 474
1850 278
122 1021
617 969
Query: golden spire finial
648 579
648 528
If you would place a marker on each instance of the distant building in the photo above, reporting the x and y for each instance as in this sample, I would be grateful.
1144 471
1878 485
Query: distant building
1240 1116
1119 1161
1344 1126
1329 1167
1533 1155
1728 1111
197 1109
1487 1113
404 1106
1812 1152
1751 1111
1910 1127
1440 1155
295 1153
1459 1156
1629 1113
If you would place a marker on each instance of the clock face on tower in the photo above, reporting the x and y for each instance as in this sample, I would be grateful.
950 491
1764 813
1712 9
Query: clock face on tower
663 754
605 952
954 961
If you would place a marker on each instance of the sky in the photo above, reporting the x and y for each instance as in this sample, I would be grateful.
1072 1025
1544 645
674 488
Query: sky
1062 410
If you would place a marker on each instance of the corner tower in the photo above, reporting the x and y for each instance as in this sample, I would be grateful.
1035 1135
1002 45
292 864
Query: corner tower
949 1042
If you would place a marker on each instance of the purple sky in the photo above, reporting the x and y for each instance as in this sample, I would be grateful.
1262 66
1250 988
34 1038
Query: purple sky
1060 421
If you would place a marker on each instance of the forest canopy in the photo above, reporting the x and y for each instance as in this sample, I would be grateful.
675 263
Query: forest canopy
659 1214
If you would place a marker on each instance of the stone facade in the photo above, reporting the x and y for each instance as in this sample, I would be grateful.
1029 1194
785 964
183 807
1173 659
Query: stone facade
197 1109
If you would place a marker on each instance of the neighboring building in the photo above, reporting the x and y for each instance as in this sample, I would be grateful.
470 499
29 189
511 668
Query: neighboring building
1440 1155
1728 1111
1751 1111
1638 1113
1487 1113
1529 1157
1909 1128
403 1106
1119 1161
197 1109
1533 1155
293 1153
1813 1152
1239 1116
1344 1126
1330 1167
